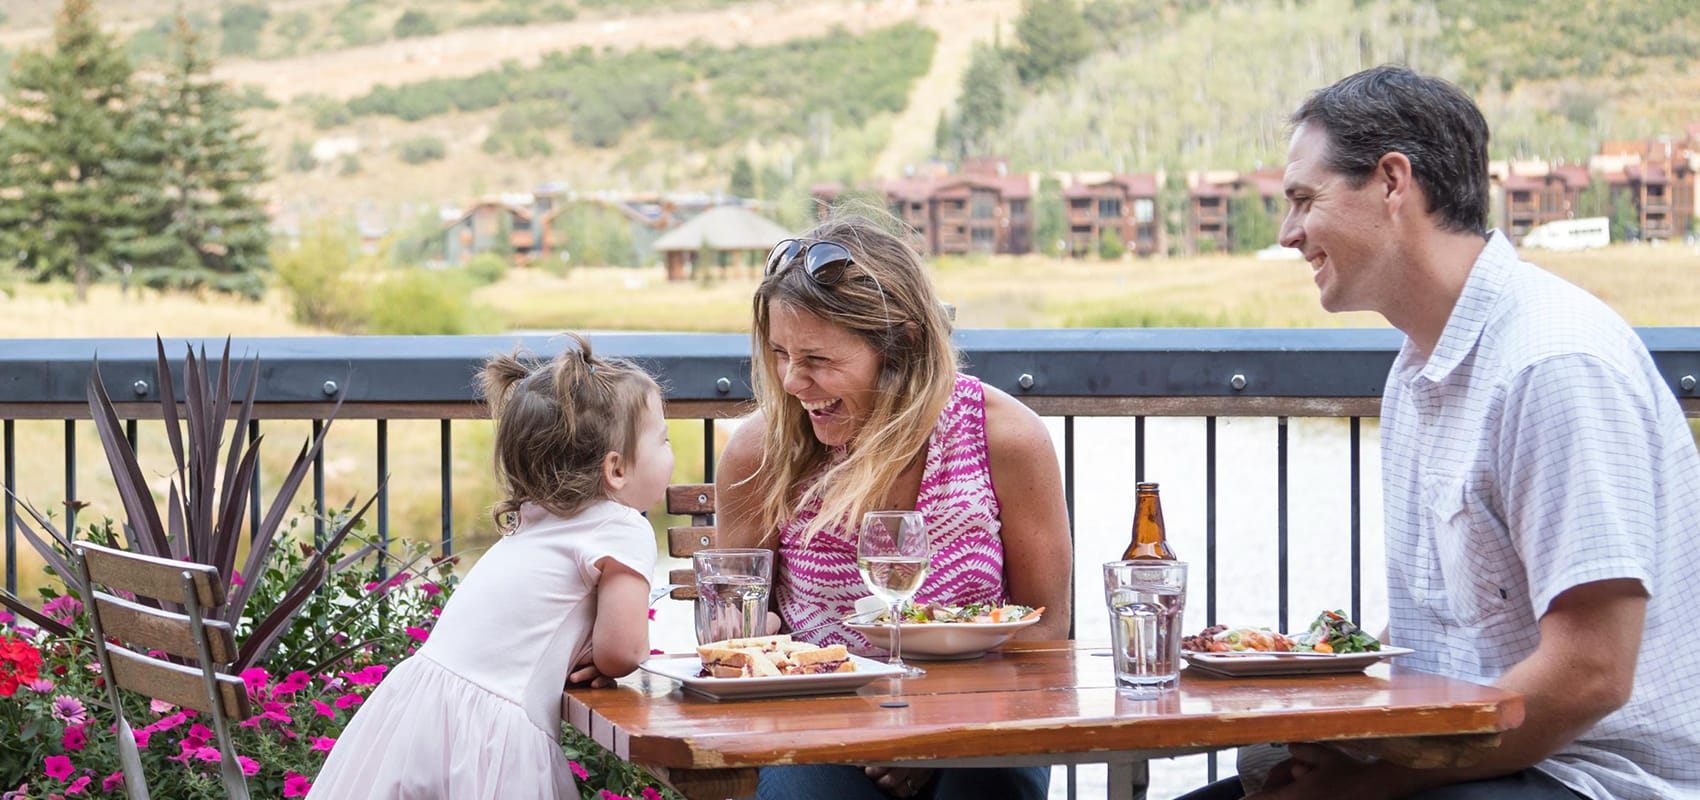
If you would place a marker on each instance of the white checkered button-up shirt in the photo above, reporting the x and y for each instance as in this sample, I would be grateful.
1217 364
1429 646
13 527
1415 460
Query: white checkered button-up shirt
1537 449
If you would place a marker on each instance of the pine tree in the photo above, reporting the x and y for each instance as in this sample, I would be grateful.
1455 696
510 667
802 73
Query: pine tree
60 135
743 180
1250 227
1053 37
985 102
200 224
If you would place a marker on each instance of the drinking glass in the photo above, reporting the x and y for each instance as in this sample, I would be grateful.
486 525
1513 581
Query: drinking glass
1146 598
732 588
891 553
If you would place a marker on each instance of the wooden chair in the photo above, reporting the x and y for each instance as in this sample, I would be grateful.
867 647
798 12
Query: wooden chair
202 648
695 500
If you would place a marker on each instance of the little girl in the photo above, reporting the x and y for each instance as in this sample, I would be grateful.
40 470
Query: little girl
581 445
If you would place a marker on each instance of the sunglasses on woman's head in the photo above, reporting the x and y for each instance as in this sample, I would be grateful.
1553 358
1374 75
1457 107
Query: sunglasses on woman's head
825 262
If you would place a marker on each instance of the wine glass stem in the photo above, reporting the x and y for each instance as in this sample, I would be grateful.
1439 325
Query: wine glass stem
897 634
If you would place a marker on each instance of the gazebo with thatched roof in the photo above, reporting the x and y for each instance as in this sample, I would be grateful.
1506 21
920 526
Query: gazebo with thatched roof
722 229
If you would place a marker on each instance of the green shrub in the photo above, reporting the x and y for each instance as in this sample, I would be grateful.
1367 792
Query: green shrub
241 26
414 22
421 149
1110 245
322 276
419 302
486 268
300 157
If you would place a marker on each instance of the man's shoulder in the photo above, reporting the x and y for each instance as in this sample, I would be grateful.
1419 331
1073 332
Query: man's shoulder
1541 316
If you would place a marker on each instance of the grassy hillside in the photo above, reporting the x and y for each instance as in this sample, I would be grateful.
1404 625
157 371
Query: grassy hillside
1214 87
433 101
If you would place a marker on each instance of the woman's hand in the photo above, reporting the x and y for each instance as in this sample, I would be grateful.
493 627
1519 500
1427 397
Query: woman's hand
900 781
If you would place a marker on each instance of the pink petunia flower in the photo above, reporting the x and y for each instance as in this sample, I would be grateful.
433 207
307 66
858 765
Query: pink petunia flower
74 738
257 678
292 683
607 795
6 617
57 767
236 578
347 701
78 785
63 609
160 707
652 615
324 743
323 709
578 770
141 735
649 793
250 767
369 676
418 633
199 734
112 782
296 785
430 588
208 754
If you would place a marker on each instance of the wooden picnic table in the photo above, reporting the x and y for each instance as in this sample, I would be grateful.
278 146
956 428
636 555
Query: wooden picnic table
1033 703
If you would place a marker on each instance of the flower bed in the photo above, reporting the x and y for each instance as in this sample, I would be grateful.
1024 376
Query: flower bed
57 734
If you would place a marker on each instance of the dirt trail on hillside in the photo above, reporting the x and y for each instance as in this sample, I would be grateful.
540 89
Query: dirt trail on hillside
960 26
348 73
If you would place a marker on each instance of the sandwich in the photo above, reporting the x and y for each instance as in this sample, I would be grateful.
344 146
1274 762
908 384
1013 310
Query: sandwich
771 656
748 662
821 660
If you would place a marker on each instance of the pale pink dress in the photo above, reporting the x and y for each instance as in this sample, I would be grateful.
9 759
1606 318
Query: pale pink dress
475 714
819 584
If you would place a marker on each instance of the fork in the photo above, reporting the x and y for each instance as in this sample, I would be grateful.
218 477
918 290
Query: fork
853 618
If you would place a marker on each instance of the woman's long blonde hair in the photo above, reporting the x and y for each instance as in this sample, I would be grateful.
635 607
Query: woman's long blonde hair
886 299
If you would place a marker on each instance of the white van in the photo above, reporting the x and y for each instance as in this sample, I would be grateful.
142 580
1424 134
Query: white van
1570 234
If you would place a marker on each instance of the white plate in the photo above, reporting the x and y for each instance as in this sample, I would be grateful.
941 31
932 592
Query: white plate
1249 663
942 641
686 669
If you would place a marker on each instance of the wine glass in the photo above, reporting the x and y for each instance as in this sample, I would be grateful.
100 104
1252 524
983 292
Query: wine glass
891 554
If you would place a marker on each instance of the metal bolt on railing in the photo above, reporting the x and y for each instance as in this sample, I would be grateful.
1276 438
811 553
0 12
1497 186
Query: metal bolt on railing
1025 381
1237 382
140 388
723 386
1687 383
330 388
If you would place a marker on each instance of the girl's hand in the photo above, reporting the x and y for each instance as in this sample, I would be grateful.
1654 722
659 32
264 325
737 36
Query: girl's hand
774 623
587 673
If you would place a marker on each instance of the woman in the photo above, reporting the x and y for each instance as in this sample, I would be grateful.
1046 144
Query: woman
860 408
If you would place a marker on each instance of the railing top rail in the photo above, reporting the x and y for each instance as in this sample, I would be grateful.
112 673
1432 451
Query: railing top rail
712 370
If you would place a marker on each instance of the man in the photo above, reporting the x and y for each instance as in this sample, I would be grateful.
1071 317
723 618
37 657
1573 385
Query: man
1542 489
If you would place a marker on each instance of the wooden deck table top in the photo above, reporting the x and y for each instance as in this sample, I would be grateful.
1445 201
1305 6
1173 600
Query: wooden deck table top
1033 702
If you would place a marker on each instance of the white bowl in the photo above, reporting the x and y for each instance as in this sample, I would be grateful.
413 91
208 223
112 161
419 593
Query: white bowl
940 641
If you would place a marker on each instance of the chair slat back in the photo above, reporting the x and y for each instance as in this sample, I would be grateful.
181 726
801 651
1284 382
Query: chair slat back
153 629
695 500
159 578
176 683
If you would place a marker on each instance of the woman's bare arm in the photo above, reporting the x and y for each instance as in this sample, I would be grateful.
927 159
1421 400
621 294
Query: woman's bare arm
1038 555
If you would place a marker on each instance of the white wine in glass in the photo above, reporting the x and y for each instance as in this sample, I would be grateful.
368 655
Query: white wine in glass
892 555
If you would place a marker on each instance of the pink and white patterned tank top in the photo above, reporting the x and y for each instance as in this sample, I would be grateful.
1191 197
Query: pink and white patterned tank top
819 584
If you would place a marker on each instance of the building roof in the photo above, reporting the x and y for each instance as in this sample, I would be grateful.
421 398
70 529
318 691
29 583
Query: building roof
724 228
1140 184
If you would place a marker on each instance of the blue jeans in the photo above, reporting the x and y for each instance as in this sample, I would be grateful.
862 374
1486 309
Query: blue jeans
1530 784
841 782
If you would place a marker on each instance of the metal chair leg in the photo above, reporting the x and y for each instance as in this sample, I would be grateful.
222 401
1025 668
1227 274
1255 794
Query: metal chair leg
1128 779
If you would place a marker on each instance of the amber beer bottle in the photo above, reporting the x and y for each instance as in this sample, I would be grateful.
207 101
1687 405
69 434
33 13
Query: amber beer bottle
1149 538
